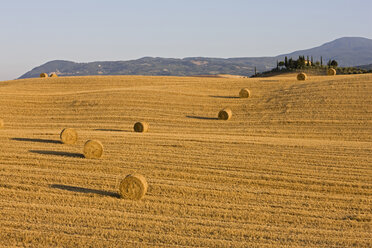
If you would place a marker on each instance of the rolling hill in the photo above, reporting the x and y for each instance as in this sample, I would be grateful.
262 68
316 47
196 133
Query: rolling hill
292 168
365 67
348 51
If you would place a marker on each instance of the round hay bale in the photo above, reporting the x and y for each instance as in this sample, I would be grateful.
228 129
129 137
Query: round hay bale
68 136
225 114
53 75
93 149
301 76
133 187
141 127
244 93
331 72
43 75
1 123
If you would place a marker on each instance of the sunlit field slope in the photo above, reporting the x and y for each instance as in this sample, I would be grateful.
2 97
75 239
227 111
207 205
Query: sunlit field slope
292 168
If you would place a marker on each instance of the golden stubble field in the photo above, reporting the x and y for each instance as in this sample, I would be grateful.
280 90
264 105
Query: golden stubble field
292 168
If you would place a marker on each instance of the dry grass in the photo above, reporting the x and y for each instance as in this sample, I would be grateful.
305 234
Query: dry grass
292 168
221 76
1 123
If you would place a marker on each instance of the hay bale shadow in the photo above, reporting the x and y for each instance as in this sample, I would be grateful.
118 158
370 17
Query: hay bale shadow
201 117
84 190
226 97
38 140
64 154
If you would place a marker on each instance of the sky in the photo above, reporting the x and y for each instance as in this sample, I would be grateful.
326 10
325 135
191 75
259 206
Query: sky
35 32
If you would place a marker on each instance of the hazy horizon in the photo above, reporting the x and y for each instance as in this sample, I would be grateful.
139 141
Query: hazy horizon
40 31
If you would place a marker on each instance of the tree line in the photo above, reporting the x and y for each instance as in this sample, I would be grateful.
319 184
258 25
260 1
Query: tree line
303 62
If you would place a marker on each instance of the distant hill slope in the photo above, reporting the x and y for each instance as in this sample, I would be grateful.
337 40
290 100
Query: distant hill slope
157 66
365 67
348 51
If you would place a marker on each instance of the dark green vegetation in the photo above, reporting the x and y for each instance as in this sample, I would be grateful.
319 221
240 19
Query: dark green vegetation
310 66
347 51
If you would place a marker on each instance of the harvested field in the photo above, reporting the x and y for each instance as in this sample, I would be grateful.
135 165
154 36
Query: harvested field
292 168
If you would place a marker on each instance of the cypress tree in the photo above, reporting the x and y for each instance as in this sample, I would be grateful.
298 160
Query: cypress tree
329 63
286 62
290 63
321 61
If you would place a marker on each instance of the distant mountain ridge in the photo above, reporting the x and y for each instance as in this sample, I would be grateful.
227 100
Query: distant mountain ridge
348 51
365 67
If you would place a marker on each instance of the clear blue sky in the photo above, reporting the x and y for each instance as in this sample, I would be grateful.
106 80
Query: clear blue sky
36 31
